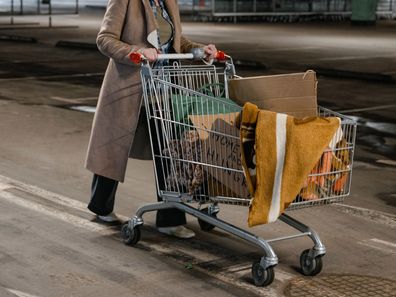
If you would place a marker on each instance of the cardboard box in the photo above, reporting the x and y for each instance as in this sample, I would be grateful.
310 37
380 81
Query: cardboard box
294 94
221 147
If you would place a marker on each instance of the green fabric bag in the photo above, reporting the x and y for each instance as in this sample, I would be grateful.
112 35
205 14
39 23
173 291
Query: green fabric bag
185 105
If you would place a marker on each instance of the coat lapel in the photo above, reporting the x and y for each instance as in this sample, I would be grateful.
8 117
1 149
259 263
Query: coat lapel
171 9
151 26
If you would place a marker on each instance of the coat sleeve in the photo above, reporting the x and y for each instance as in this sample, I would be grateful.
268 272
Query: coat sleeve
186 45
108 39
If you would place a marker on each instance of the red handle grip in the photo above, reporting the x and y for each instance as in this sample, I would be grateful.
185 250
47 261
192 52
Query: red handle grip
221 56
136 57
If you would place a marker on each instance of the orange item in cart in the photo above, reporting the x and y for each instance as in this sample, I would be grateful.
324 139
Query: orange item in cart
341 162
339 185
323 166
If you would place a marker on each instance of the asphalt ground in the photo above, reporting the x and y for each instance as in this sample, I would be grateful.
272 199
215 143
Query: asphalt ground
51 245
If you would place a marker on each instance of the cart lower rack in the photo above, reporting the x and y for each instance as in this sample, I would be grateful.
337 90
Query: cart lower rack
195 148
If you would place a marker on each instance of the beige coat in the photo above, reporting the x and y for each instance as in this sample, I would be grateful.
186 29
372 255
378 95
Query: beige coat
128 26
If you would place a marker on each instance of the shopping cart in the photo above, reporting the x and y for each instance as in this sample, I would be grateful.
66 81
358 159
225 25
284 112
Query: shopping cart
195 148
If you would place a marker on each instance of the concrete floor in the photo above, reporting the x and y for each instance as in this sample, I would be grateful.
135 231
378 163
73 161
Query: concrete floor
52 246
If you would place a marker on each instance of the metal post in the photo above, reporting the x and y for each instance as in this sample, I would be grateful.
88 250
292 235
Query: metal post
38 7
254 5
12 12
77 8
235 10
50 13
21 7
273 5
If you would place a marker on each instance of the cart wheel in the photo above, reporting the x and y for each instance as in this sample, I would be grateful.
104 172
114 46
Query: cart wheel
262 277
130 236
204 225
310 266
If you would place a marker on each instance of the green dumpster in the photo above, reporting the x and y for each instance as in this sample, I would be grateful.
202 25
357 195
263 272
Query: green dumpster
364 11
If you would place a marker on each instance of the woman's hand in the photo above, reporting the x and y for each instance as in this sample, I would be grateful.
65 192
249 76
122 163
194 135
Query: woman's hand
210 51
151 54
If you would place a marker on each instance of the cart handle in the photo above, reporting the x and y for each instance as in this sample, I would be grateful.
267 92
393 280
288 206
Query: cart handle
197 54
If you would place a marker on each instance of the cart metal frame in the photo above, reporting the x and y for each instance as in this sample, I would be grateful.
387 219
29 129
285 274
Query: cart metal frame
157 85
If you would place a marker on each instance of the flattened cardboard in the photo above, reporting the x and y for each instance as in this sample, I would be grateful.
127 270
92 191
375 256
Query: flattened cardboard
221 149
294 94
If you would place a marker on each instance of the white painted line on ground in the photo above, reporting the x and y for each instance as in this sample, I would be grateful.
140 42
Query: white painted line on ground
387 162
52 76
56 198
73 100
56 214
384 242
7 183
365 57
20 294
373 215
375 246
89 109
272 50
285 49
378 107
4 187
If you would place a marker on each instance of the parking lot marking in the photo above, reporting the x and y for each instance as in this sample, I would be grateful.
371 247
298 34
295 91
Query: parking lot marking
52 76
8 183
355 57
83 108
381 245
378 107
368 214
20 294
387 162
73 100
54 213
4 186
383 242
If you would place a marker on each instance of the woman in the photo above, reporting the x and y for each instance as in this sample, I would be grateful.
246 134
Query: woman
148 27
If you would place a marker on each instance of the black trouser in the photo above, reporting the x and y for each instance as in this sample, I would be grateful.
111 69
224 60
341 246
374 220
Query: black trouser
103 192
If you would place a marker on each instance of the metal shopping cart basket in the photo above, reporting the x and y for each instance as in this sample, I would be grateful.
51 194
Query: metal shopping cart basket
186 106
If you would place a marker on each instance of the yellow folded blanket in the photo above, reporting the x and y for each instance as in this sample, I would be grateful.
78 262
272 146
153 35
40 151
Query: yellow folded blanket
286 150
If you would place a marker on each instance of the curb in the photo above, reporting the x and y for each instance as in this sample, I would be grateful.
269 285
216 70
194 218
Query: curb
76 44
368 214
17 38
249 64
100 7
353 74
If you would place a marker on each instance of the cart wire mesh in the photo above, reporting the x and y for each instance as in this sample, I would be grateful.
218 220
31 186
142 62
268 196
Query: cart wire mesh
196 144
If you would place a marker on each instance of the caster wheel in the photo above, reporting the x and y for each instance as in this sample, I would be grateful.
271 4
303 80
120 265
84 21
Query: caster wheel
130 236
204 225
262 277
310 266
